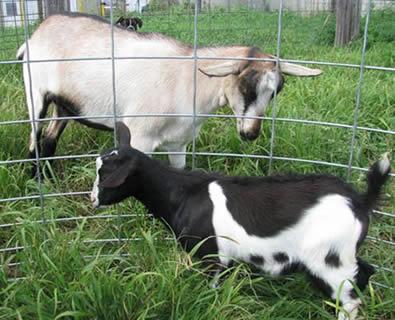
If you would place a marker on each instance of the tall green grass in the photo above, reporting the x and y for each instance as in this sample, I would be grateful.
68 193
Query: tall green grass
61 275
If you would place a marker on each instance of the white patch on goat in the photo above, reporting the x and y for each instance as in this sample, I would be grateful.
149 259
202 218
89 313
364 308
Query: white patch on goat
384 164
265 88
113 152
328 225
95 190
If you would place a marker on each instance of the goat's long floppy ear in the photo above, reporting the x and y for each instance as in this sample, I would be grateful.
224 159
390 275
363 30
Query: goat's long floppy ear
118 177
297 70
222 69
123 134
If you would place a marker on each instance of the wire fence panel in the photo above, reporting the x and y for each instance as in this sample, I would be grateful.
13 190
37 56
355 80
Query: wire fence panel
337 123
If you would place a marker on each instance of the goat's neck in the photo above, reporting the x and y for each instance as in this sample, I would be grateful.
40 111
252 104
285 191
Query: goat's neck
210 93
161 188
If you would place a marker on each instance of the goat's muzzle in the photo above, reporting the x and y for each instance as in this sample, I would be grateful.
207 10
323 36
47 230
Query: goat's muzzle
249 135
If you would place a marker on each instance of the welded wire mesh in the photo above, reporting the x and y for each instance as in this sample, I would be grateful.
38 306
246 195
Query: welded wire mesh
18 21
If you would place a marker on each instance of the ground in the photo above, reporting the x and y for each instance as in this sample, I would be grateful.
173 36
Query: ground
64 272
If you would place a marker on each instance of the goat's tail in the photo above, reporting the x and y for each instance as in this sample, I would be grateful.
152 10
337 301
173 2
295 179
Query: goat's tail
21 51
377 176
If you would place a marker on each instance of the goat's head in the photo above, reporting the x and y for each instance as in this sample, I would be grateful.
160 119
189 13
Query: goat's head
114 169
252 85
129 23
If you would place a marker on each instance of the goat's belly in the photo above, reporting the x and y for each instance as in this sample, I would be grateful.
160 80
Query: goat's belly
271 254
273 257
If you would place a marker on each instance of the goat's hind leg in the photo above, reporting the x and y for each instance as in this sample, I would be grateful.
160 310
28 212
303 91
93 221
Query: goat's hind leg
52 134
335 282
178 160
363 271
38 107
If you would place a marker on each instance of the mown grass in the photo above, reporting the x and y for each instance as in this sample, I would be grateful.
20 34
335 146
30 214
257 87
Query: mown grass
63 275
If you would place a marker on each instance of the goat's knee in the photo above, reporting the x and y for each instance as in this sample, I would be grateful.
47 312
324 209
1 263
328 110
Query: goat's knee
178 160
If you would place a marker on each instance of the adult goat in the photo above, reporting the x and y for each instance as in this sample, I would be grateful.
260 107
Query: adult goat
143 86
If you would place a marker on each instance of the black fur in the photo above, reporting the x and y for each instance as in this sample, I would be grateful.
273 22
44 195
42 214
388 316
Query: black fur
320 284
281 257
186 193
69 108
332 259
248 87
365 271
263 206
253 53
192 229
129 23
375 180
248 84
32 154
50 140
20 56
292 267
257 259
47 145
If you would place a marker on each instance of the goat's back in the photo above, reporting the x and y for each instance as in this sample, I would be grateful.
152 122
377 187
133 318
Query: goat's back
86 36
266 205
86 84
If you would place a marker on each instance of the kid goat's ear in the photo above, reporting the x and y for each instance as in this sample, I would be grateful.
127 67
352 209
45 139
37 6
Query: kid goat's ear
118 177
123 134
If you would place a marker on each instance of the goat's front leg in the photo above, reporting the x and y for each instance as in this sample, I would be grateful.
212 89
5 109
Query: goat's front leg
178 160
143 144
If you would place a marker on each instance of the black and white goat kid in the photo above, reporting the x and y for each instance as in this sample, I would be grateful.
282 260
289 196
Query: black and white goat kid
316 222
